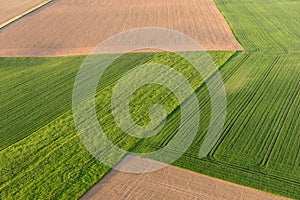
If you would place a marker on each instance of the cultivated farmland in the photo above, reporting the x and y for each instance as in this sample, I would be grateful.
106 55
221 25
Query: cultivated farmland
72 27
260 143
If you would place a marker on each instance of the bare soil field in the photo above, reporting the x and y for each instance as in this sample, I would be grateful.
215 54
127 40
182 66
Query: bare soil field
168 183
10 9
74 27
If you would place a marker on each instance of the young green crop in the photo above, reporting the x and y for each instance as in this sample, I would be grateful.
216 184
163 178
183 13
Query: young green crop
37 91
53 163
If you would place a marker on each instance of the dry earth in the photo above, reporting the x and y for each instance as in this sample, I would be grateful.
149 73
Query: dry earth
73 27
12 8
168 183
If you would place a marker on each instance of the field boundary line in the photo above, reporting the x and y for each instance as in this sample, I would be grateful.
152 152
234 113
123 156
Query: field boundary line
236 53
246 170
12 20
230 27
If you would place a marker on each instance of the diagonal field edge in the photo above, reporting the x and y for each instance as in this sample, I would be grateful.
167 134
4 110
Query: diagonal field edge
196 90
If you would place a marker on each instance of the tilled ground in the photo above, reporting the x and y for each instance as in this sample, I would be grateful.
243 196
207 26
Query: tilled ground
168 183
12 8
74 27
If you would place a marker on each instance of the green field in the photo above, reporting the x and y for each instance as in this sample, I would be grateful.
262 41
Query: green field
54 157
42 156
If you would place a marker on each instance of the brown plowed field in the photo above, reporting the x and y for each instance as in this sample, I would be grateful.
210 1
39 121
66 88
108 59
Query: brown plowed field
12 8
72 27
169 183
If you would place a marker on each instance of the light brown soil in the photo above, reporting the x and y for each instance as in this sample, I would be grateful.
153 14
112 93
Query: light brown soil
72 27
169 183
12 8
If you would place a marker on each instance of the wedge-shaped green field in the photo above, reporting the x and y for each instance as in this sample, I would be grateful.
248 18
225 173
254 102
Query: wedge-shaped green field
42 156
52 161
